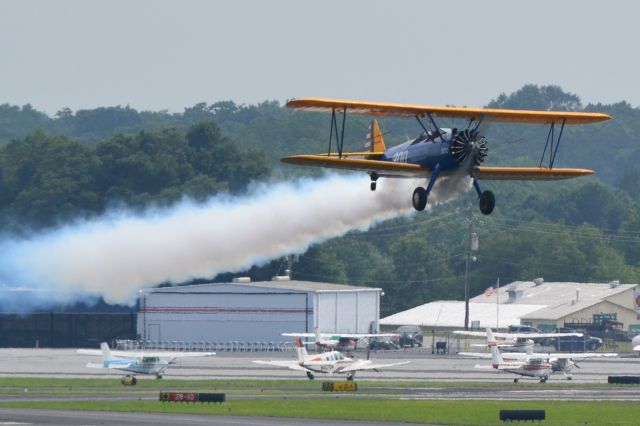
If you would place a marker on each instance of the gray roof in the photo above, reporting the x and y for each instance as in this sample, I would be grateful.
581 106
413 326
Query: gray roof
559 298
450 313
302 286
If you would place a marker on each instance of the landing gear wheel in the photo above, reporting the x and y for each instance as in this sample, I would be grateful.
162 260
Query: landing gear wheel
569 378
350 377
373 185
310 375
419 198
543 380
487 202
515 380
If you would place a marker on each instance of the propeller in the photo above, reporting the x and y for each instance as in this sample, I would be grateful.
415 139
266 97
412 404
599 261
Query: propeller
469 142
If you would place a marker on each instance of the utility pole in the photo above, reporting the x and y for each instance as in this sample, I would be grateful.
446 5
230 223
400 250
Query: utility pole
472 245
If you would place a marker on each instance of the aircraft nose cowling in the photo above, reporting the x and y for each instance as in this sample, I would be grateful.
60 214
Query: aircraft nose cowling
469 145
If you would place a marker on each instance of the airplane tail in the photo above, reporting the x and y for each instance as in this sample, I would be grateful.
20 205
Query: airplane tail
496 356
374 141
491 341
300 350
106 352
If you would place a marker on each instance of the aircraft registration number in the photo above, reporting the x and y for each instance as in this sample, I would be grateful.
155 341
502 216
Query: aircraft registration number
400 157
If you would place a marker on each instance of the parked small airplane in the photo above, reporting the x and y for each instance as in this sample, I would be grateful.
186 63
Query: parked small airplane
515 342
532 364
332 362
137 362
438 151
337 341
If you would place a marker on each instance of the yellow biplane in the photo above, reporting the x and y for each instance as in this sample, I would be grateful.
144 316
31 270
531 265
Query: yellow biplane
438 151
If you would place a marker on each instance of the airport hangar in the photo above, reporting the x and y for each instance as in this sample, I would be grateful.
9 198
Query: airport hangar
544 305
254 311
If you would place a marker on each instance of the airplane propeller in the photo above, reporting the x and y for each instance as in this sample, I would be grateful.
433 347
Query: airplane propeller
469 142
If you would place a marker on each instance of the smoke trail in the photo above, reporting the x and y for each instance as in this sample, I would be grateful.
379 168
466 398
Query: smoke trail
119 254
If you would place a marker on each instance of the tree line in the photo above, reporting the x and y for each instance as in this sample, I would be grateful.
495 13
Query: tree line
81 163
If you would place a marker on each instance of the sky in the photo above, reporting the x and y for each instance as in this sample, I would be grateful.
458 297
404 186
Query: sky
168 55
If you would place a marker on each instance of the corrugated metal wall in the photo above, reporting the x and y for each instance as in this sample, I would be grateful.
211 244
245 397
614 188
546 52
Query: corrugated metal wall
228 313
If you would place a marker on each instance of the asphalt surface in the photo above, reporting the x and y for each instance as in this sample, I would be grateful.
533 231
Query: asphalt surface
50 417
423 366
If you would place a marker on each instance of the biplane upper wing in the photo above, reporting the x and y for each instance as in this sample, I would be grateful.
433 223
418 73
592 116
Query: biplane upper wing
388 168
486 114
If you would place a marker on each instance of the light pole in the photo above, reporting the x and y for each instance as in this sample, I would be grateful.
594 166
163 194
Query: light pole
472 245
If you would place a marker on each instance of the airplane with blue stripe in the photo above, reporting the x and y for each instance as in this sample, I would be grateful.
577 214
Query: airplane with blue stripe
142 362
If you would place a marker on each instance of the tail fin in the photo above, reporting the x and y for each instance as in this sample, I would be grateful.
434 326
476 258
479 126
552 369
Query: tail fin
491 341
301 350
496 356
106 352
374 141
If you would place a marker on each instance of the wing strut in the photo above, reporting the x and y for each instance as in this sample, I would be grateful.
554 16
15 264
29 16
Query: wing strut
550 141
334 127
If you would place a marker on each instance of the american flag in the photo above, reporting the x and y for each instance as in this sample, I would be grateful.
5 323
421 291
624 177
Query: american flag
491 290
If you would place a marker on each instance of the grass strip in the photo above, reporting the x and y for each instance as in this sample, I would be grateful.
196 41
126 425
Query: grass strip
470 413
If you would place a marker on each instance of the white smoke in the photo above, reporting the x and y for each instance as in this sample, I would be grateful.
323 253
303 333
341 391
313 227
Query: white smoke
118 254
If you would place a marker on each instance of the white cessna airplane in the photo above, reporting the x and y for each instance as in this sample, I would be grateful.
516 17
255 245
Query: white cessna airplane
137 362
337 341
533 364
332 362
515 341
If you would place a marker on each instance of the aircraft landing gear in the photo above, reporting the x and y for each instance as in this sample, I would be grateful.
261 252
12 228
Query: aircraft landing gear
515 380
350 377
374 179
158 376
310 375
543 379
487 202
420 194
487 199
419 198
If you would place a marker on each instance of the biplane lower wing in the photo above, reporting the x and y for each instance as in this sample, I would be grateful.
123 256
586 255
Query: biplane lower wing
528 173
386 168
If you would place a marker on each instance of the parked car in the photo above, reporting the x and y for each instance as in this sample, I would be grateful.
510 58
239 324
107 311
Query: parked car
575 343
409 336
382 344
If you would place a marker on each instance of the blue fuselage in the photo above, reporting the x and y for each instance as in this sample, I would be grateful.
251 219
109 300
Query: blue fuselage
425 152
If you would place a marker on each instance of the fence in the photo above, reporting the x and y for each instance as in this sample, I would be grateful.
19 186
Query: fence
203 346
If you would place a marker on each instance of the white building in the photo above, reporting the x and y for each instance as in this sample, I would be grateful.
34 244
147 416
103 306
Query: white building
255 311
545 305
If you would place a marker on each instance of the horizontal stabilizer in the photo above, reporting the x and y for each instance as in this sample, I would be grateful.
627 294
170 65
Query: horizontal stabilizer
94 365
483 367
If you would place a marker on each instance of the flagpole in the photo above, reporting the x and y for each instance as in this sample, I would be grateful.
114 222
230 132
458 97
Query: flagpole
497 304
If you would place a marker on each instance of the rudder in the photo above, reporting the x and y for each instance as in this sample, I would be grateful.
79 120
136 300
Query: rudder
374 142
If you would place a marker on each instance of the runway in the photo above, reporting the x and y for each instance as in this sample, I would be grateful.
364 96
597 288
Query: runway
72 418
